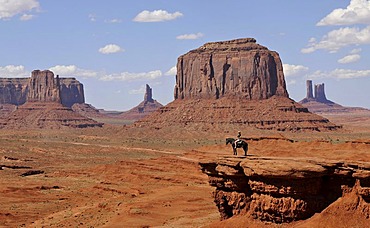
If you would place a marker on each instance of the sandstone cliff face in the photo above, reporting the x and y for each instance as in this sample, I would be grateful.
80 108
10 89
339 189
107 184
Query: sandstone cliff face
15 90
237 68
71 92
282 189
43 87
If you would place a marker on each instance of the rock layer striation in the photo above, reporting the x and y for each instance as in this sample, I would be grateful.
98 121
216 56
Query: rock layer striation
282 189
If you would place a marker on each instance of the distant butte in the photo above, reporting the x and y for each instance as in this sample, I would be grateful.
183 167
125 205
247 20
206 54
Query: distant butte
228 85
43 106
318 103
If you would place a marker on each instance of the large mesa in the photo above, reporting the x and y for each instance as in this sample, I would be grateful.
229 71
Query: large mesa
228 85
43 106
236 68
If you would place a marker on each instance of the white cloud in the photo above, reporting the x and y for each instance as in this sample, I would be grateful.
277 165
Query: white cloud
349 59
141 90
171 72
293 70
190 36
113 21
110 49
156 16
73 70
341 74
26 17
13 71
356 50
127 76
357 12
337 39
11 8
291 82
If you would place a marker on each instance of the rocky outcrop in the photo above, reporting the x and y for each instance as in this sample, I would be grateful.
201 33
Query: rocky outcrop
282 189
147 106
226 86
237 68
319 95
43 107
71 92
15 91
43 87
309 90
318 103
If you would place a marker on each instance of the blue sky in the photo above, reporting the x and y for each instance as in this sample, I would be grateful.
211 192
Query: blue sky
115 47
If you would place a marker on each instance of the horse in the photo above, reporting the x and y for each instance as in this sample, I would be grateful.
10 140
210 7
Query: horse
240 144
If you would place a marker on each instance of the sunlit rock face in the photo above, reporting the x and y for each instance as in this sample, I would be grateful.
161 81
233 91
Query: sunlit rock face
236 68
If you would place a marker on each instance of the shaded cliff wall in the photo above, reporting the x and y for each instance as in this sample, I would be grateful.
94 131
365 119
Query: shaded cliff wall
236 68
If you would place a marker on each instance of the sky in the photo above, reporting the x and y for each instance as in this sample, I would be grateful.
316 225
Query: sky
115 47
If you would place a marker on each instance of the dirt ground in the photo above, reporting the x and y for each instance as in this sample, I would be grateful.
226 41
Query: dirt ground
104 178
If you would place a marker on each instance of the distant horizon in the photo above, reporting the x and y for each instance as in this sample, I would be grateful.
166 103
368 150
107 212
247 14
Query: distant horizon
116 47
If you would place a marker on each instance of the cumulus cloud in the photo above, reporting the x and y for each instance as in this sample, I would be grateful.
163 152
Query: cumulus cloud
127 76
349 59
156 16
171 72
357 12
9 9
293 70
13 71
73 70
110 49
339 38
341 74
190 36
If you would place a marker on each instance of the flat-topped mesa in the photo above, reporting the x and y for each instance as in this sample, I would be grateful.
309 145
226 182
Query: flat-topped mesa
43 87
238 68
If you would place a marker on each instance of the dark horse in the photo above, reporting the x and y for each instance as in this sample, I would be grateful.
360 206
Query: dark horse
240 144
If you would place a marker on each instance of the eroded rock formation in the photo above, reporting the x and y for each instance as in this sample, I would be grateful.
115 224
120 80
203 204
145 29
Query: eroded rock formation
236 68
43 87
318 103
147 106
43 107
233 84
16 90
282 189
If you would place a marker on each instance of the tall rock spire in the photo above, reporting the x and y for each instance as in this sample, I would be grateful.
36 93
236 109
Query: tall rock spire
148 94
320 93
309 89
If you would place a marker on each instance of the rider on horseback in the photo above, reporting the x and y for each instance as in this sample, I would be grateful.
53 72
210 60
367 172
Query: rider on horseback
238 140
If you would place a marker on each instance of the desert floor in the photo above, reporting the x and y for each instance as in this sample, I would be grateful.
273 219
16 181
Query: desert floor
105 178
